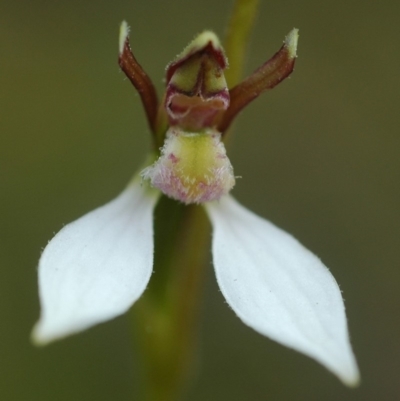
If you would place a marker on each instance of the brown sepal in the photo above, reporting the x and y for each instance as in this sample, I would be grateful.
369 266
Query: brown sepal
141 81
270 74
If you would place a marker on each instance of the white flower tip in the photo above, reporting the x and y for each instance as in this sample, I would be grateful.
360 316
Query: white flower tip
44 333
38 337
352 382
291 42
123 35
340 360
350 376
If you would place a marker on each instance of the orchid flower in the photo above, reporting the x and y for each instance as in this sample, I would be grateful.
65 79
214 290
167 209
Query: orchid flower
96 267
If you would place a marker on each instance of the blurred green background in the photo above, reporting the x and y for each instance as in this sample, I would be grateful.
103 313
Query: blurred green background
319 156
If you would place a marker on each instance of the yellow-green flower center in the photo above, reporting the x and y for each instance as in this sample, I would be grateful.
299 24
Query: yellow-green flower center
193 167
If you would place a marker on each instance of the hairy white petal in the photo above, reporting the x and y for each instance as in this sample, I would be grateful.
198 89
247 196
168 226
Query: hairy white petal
279 288
96 267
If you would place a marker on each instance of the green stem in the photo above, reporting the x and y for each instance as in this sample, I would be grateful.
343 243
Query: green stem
237 37
166 316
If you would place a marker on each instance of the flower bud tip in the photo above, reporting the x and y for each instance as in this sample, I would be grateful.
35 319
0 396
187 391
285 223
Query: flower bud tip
123 35
200 42
291 42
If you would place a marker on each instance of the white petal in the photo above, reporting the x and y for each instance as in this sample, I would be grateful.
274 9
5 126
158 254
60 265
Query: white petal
95 268
279 288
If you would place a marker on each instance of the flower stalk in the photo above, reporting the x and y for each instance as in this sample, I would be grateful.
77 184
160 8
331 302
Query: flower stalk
166 317
237 37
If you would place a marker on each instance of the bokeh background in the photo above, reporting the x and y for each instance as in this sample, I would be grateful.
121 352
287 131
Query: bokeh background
319 156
